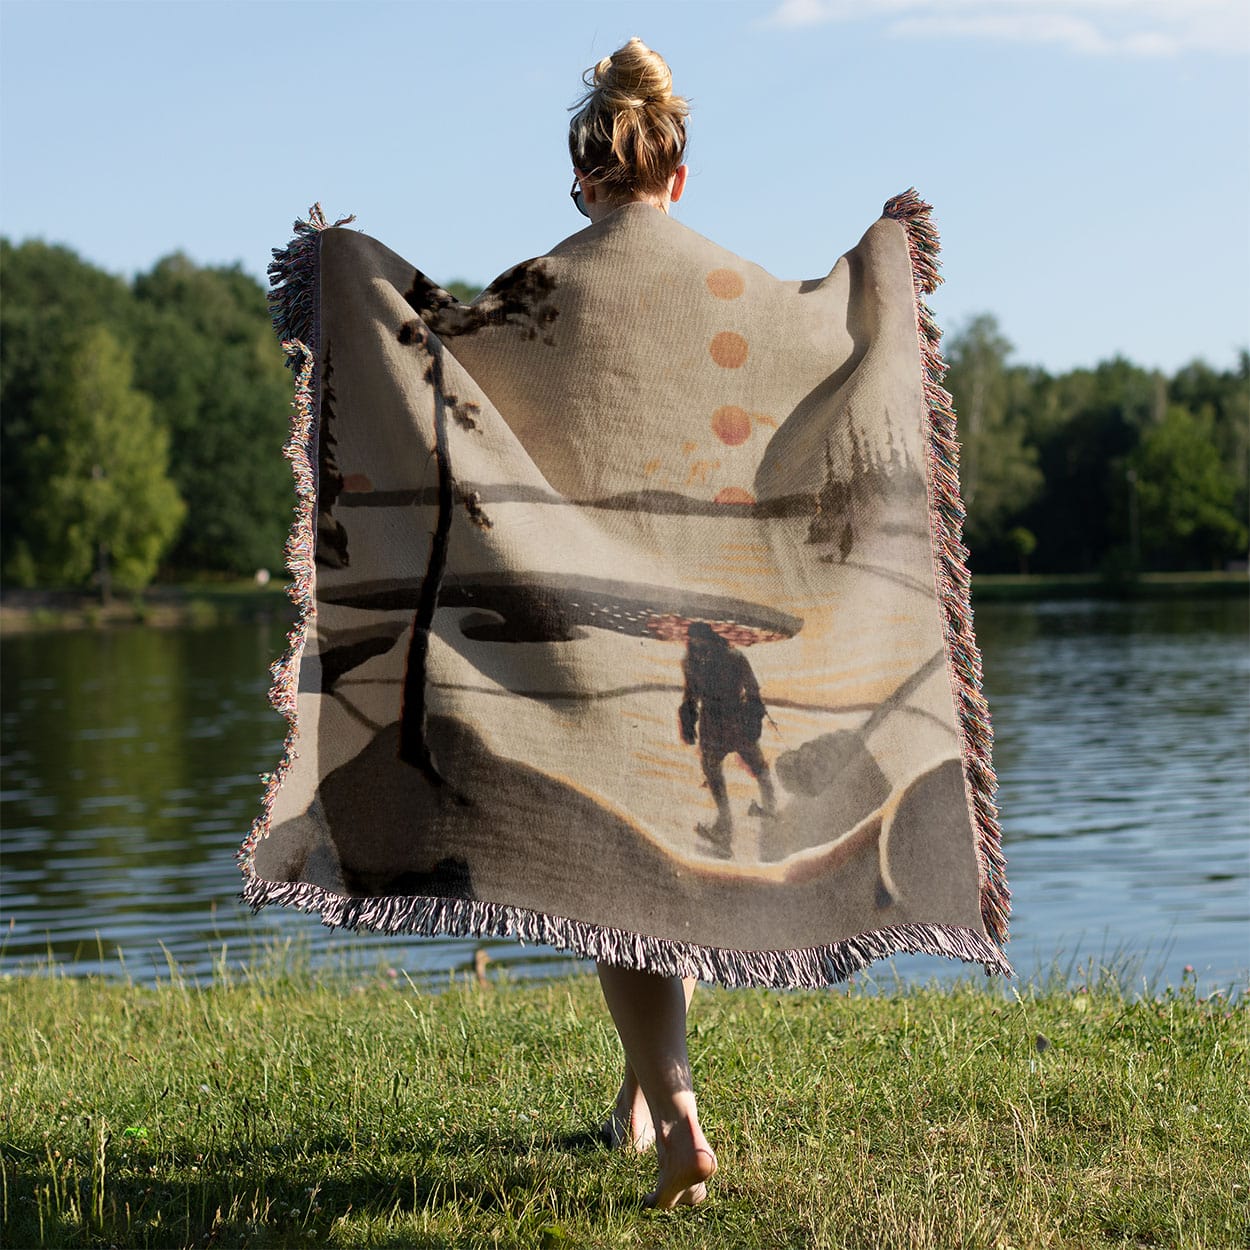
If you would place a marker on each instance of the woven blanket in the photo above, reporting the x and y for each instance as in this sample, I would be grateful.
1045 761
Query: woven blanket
633 615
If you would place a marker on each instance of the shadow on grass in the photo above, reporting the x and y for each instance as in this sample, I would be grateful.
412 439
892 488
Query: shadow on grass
257 1198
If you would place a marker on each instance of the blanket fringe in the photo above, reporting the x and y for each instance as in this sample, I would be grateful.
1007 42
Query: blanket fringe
293 294
951 560
808 968
293 302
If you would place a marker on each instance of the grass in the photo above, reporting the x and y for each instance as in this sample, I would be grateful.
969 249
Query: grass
296 1109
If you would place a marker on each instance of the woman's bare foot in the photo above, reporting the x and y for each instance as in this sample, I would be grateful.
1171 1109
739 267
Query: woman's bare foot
629 1125
686 1165
649 1011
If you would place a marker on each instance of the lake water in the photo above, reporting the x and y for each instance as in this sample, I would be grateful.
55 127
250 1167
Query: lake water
130 762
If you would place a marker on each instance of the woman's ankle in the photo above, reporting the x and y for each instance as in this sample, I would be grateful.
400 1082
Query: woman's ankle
679 1112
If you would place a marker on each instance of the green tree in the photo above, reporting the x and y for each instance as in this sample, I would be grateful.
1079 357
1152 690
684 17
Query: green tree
1186 495
1221 397
51 298
997 467
208 357
1086 423
1024 544
102 501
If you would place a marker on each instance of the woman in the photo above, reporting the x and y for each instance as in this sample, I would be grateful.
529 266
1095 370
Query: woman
514 518
627 141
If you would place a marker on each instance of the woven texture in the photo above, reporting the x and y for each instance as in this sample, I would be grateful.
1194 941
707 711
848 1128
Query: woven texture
633 613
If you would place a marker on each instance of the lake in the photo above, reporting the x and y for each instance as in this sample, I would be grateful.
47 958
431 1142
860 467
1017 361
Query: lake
130 775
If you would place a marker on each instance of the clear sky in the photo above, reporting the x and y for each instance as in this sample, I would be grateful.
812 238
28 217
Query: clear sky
1089 160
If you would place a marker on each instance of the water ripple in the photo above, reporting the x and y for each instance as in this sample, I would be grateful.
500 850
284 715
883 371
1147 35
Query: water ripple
132 771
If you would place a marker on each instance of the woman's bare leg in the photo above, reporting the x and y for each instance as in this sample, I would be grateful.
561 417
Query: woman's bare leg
629 1125
650 1015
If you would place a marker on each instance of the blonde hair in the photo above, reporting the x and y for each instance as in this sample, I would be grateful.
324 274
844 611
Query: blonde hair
629 131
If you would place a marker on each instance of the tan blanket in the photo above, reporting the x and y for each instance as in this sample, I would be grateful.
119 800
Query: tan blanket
634 618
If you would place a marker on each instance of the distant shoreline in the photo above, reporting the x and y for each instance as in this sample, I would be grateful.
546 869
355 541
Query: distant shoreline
174 605
1006 587
195 604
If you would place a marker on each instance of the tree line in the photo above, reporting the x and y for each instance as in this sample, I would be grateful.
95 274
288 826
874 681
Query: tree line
141 422
1113 470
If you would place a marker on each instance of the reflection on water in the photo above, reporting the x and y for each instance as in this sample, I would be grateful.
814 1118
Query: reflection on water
131 760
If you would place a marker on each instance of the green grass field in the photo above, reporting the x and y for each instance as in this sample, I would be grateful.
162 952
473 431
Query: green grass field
287 1109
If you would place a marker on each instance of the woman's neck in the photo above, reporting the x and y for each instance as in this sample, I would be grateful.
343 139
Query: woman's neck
601 208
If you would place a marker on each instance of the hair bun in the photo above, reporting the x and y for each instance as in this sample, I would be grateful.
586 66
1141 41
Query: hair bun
629 130
634 76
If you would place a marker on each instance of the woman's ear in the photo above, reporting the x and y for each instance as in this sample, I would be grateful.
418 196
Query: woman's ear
678 185
588 186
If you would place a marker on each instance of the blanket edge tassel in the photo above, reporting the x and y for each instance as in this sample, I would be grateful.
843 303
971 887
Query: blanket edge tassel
811 967
293 304
951 561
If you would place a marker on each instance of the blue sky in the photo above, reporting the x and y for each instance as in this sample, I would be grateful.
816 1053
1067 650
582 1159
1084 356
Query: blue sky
1089 160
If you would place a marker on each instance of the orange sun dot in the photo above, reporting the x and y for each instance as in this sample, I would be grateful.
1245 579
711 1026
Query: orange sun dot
725 284
731 425
734 494
728 349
